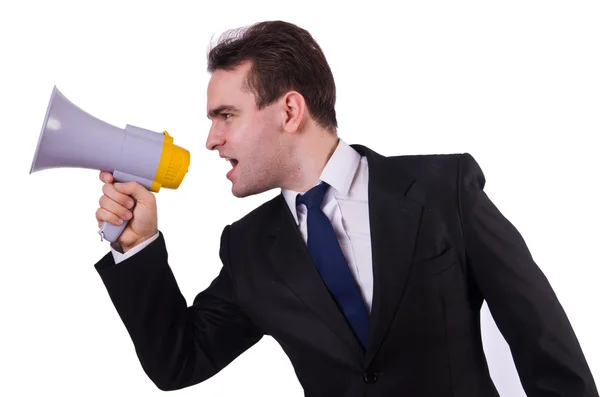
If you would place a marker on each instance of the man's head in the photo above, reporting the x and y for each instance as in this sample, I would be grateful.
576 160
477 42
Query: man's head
271 97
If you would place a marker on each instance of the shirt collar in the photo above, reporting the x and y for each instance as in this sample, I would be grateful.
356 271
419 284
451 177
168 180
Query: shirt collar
338 173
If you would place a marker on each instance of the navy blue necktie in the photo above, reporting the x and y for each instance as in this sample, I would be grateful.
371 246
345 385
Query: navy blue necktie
331 264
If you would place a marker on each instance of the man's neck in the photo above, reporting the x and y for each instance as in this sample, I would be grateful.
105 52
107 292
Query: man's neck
309 158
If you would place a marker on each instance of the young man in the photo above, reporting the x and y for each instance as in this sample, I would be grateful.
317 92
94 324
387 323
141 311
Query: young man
370 271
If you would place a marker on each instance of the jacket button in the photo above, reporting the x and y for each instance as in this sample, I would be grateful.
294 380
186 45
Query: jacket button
370 377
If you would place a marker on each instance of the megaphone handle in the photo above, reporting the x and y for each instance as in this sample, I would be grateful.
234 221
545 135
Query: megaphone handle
112 232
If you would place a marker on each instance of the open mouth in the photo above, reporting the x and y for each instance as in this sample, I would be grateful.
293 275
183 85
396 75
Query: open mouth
233 163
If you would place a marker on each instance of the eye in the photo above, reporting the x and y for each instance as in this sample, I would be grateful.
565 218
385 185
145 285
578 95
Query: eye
226 115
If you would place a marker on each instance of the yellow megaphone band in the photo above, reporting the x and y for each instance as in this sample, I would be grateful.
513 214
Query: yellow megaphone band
172 167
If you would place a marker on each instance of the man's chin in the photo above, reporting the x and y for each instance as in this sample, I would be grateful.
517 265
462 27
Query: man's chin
246 191
238 194
240 191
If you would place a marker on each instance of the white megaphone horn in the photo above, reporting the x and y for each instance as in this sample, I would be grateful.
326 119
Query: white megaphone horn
73 138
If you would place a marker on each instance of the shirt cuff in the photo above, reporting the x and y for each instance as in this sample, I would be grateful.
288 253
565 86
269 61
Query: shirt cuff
120 257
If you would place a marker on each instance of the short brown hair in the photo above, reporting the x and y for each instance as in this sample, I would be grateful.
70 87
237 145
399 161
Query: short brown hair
284 57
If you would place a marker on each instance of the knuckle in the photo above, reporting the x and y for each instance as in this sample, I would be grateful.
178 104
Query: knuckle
110 218
125 214
118 220
105 202
102 215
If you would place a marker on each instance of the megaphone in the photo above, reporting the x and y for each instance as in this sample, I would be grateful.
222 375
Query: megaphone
70 137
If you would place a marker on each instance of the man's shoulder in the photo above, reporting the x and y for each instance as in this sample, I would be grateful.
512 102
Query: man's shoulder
417 164
262 217
436 170
420 160
411 159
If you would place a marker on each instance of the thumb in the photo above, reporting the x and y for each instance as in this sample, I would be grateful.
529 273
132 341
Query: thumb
133 189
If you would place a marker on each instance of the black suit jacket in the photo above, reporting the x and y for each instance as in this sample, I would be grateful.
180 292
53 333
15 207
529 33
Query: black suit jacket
439 247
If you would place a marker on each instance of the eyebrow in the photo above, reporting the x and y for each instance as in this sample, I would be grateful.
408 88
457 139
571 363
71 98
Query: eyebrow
221 109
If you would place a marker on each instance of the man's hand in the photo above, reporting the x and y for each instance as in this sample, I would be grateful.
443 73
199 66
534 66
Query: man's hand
116 205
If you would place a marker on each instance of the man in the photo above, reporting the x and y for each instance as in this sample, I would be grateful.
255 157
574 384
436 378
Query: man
369 271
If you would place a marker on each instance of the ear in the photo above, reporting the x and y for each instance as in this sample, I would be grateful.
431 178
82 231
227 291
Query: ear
294 108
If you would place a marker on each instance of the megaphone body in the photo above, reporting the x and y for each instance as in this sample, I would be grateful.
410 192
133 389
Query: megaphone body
70 137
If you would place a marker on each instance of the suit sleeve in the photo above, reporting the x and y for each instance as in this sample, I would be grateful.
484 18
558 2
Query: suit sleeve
177 346
547 354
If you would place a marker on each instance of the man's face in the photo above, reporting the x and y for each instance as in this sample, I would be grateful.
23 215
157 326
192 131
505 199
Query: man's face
252 139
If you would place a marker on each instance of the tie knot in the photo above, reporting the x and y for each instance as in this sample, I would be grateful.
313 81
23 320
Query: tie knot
314 197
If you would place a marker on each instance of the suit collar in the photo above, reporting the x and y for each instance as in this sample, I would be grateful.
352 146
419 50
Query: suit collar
394 220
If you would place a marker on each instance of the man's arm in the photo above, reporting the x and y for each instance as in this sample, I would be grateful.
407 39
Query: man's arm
177 346
546 352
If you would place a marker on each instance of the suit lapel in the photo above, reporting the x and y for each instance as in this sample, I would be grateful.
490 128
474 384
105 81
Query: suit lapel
289 256
394 222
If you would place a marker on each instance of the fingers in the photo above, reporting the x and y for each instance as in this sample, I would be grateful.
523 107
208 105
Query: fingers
106 177
105 215
133 189
121 199
114 208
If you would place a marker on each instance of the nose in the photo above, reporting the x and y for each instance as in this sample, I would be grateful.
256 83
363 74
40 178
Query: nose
214 139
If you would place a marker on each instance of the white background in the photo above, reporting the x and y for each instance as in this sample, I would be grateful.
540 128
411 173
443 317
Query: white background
515 83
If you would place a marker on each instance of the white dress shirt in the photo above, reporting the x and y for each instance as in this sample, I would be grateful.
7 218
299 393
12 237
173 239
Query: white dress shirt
346 206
